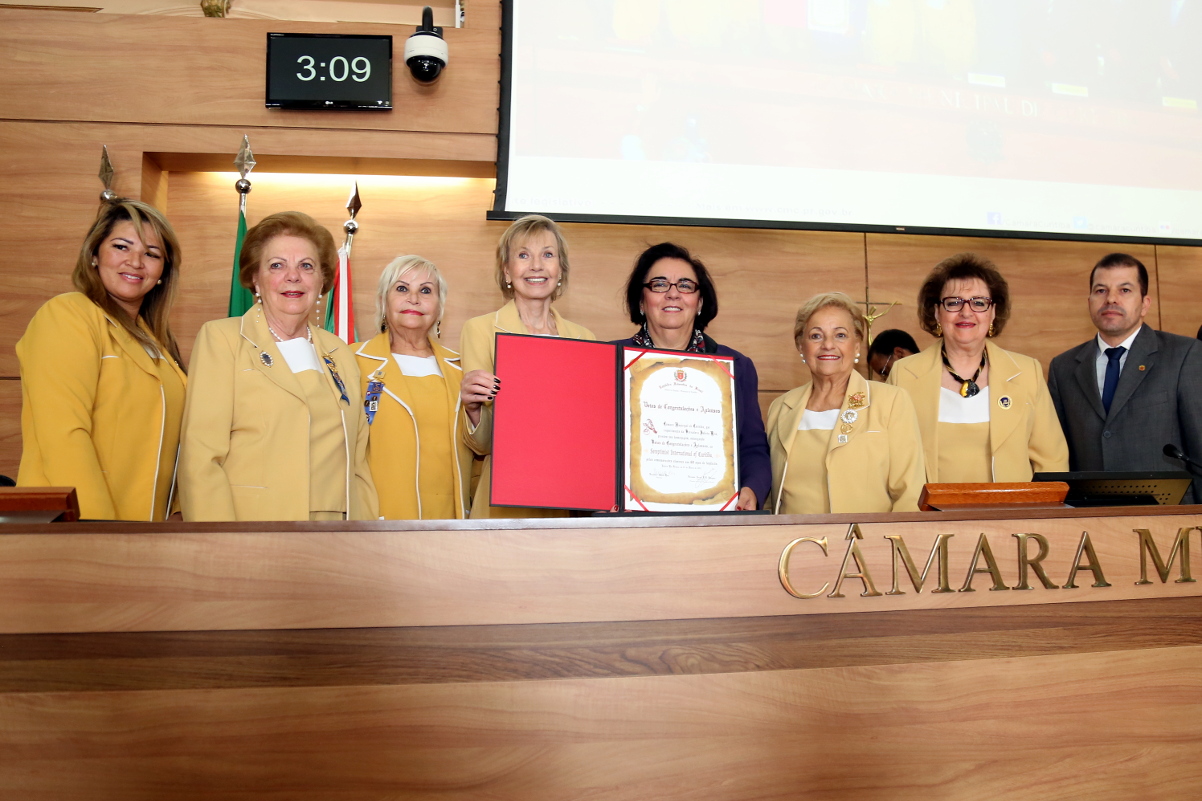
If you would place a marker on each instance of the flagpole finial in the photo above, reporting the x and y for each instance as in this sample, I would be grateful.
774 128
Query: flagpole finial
245 162
106 176
353 204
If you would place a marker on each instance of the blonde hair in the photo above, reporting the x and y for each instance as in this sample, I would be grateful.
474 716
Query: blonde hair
520 232
155 311
838 300
397 269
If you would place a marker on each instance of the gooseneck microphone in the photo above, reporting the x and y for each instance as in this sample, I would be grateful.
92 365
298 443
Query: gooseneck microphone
1173 452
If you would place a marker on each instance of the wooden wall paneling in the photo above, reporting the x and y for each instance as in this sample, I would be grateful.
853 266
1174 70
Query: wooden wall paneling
10 426
1109 726
762 277
51 194
212 72
1048 285
482 14
438 218
154 182
1179 277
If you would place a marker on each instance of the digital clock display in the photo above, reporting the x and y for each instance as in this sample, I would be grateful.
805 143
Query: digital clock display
329 71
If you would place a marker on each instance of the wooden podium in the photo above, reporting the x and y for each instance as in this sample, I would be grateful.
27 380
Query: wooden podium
606 658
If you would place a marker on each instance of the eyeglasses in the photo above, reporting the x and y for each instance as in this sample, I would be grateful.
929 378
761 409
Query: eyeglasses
660 285
977 304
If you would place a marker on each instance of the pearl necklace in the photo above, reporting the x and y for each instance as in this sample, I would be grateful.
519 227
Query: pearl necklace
278 338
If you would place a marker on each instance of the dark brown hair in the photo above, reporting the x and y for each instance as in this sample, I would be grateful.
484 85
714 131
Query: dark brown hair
963 267
287 223
669 250
1122 260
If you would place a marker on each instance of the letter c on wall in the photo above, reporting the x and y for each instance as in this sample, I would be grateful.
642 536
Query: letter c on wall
783 568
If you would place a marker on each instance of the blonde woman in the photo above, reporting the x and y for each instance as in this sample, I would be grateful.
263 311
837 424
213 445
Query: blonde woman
840 443
532 272
418 454
102 384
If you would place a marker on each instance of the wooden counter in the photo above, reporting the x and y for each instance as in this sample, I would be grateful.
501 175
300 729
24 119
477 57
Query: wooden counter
600 658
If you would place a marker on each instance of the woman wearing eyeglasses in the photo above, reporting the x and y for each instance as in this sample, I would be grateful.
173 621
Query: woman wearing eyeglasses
985 413
671 296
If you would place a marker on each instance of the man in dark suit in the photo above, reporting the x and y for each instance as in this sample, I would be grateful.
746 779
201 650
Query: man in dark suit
1125 394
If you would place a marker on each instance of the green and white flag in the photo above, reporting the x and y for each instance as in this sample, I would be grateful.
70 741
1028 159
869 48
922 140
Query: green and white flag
241 298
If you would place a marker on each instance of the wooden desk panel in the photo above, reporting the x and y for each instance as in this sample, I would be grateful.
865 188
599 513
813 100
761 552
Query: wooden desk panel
1102 726
1042 700
148 577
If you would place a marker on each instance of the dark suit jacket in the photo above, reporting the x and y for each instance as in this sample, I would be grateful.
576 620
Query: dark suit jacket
1158 401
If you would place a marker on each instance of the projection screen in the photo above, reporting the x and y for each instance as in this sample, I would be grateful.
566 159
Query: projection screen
1053 118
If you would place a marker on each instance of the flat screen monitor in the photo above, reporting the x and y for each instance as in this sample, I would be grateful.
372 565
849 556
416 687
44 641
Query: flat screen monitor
318 71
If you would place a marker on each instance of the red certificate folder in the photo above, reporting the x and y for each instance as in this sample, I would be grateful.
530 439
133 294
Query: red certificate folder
555 422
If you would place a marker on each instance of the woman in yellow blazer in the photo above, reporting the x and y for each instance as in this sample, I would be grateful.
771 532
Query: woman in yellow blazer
102 387
273 427
840 443
417 449
985 413
532 272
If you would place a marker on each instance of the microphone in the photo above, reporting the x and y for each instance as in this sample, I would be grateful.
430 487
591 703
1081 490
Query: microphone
1173 452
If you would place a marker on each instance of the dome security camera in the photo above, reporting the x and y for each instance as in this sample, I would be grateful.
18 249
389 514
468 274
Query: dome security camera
426 51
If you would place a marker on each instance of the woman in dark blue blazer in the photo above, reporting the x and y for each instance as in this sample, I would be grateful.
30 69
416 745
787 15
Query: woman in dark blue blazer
671 297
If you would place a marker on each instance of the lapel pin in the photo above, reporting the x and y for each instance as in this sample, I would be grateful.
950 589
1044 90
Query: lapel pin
1142 368
265 357
842 439
1004 401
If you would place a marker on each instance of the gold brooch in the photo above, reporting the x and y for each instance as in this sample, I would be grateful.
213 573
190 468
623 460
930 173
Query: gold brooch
855 400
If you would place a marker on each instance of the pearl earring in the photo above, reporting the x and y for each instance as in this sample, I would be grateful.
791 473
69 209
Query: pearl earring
159 282
857 358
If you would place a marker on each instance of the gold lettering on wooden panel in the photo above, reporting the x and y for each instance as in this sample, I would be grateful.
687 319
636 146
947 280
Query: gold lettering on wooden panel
1025 561
1147 546
853 552
1085 547
918 580
991 567
782 568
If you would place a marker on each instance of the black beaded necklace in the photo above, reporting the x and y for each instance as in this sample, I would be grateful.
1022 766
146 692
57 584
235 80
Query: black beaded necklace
968 387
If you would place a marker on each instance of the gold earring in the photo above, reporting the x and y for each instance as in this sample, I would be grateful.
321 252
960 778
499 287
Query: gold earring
990 332
938 329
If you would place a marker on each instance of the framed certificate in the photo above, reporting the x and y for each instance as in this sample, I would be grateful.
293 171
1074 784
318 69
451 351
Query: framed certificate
679 432
593 426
